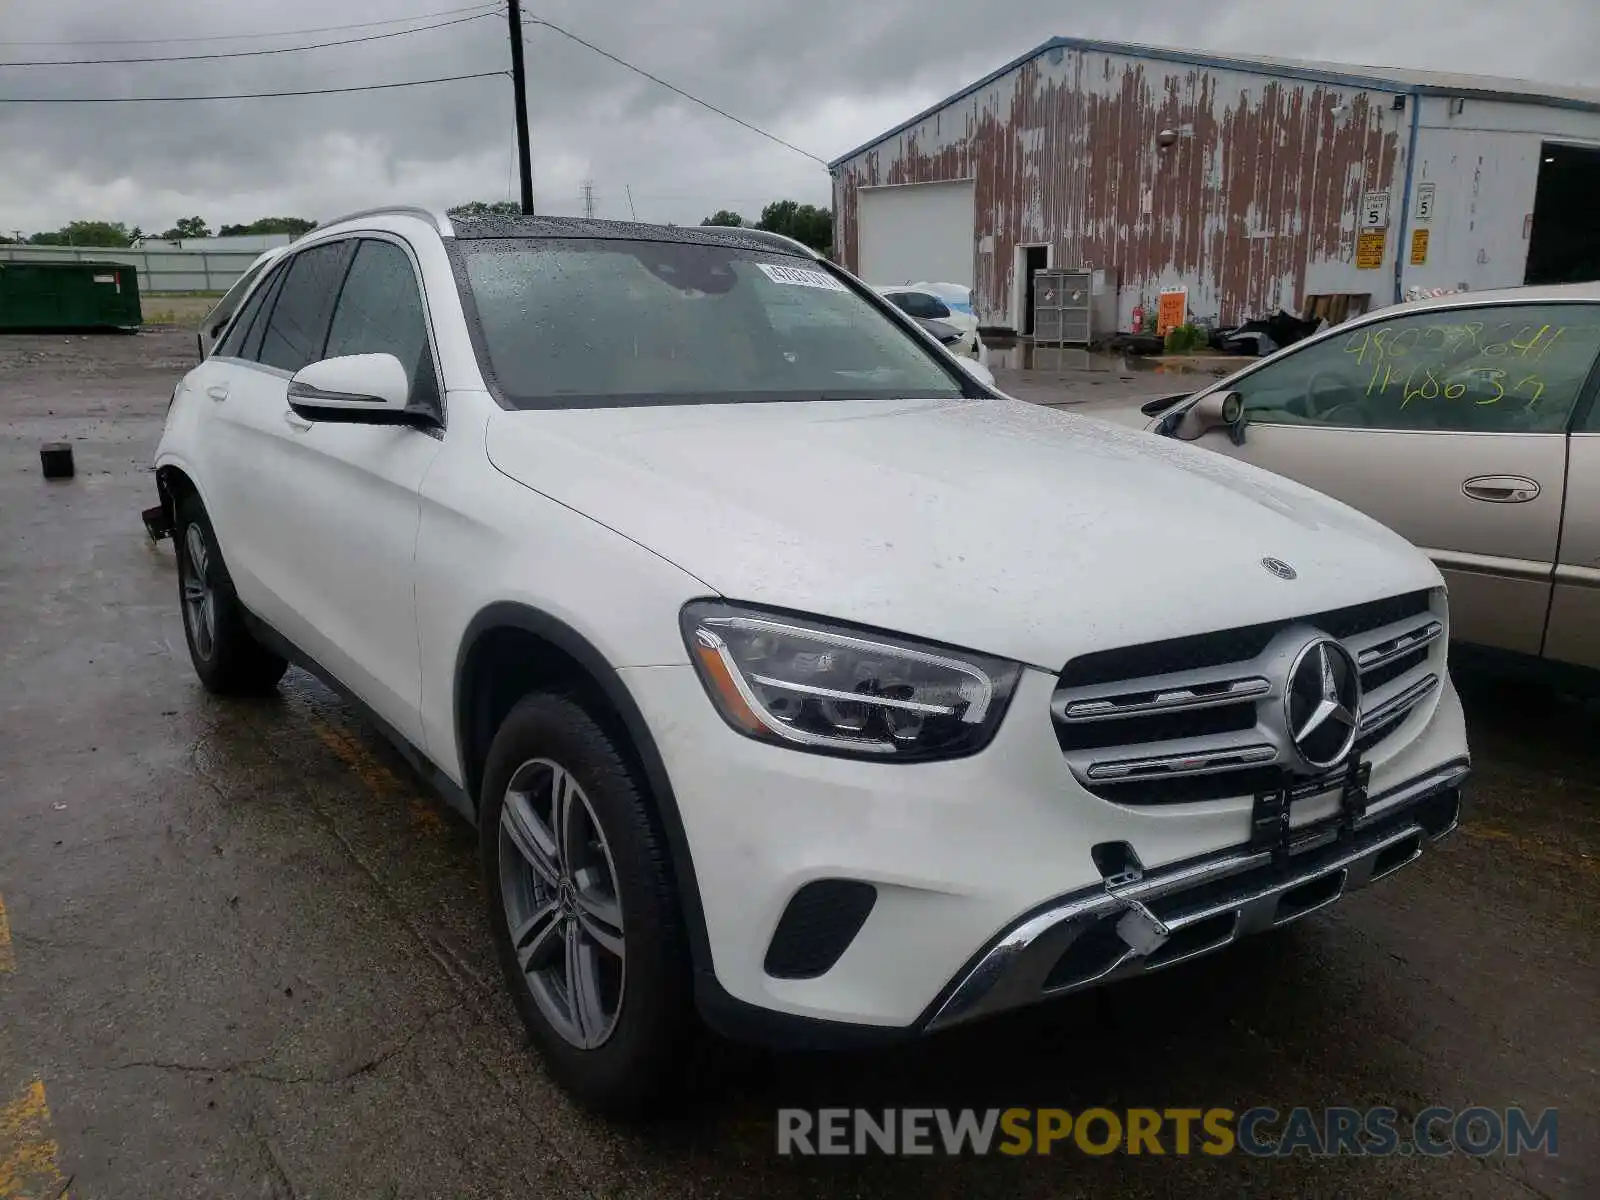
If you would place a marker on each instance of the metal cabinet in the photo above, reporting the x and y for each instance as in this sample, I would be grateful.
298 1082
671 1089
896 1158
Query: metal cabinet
1073 307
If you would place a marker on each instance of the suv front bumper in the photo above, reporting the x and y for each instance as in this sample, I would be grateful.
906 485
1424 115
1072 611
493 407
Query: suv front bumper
982 866
1167 917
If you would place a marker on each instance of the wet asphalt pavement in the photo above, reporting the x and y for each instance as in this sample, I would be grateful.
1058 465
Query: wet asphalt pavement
246 955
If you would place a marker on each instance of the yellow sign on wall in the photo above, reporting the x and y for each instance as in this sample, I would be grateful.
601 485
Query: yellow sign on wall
1369 248
1419 247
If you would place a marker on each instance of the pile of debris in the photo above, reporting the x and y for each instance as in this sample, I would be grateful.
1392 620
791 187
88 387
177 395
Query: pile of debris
1256 338
1266 335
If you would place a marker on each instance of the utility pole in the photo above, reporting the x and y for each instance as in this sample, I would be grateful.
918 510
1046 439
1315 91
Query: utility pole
519 88
631 214
588 198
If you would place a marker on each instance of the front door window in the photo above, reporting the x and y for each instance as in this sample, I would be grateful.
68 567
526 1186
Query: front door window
1495 369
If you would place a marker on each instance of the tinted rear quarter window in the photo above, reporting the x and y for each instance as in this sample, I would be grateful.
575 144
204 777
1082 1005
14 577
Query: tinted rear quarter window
240 329
251 347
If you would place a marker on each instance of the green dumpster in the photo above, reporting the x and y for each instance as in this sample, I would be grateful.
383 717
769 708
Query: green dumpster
68 295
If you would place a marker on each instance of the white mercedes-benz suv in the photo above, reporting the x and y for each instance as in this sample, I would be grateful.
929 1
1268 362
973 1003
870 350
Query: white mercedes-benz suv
803 687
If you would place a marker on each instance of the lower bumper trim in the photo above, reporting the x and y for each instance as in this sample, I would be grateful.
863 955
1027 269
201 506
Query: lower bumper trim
1199 907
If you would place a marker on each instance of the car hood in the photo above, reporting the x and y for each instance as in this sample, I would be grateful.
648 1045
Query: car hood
995 525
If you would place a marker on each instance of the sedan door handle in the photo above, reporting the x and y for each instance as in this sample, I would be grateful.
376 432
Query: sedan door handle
295 421
1501 489
218 391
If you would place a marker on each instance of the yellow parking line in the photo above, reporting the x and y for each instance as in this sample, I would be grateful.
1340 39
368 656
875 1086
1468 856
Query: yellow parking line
380 780
8 957
28 1149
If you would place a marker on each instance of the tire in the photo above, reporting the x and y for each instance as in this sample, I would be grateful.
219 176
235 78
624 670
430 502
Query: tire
227 658
622 1053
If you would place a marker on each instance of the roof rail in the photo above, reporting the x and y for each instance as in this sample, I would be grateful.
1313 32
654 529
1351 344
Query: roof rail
439 220
782 239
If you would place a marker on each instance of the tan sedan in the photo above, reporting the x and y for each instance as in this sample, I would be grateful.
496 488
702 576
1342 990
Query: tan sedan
1469 425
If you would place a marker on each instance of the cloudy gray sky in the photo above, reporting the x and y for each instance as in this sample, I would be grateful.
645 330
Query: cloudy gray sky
825 75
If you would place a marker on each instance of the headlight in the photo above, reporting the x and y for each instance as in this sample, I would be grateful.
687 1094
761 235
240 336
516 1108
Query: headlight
813 686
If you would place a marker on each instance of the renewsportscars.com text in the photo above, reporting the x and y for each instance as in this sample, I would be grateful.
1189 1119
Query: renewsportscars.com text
1259 1132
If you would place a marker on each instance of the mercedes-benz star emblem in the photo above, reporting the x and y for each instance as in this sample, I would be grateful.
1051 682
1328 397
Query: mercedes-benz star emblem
1280 568
1323 702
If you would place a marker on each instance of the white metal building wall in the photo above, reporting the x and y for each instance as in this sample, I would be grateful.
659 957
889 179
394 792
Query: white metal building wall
1477 171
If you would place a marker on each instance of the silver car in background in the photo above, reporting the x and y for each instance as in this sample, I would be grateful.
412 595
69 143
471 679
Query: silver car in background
1466 423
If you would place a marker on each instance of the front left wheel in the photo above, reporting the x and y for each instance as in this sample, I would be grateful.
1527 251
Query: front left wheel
583 908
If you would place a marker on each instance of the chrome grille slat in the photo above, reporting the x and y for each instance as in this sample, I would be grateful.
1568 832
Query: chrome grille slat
1164 699
1385 649
1193 762
1396 705
1124 738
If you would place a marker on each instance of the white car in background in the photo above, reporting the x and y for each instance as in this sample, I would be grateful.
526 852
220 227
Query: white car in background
947 302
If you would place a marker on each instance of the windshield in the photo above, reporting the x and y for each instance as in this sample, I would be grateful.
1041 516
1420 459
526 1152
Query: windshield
567 322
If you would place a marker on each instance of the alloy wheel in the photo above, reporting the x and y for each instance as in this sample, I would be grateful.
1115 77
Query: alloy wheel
558 884
199 597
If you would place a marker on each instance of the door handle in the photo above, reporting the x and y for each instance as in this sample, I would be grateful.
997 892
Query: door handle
295 421
218 391
1501 489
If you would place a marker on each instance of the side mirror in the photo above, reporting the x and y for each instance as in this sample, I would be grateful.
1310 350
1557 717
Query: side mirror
1217 410
976 369
370 388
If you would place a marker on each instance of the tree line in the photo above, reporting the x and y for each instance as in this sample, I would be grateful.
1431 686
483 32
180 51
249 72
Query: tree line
804 222
117 234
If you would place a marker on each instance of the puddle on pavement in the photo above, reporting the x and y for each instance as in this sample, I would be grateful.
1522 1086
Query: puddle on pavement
1026 356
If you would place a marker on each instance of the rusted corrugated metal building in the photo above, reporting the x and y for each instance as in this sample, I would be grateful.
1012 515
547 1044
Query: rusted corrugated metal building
1252 183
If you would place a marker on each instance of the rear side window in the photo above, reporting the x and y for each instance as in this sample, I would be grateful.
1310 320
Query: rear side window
251 349
298 326
380 312
240 329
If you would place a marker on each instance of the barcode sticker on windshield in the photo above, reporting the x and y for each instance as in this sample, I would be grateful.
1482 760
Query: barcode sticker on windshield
800 277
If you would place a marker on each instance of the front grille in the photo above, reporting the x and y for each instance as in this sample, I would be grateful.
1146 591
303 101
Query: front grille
1200 718
1234 645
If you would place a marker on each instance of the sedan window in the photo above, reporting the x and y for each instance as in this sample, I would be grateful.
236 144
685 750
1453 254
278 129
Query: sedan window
1495 369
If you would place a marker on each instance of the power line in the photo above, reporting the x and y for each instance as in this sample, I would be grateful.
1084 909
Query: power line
671 87
240 37
371 37
368 87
